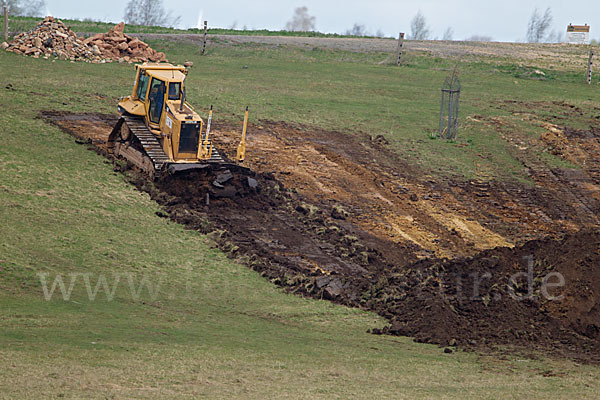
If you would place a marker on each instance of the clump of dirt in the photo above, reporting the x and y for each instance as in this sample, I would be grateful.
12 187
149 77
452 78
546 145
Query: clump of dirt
334 216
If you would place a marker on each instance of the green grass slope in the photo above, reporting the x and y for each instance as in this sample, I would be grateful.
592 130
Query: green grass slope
213 328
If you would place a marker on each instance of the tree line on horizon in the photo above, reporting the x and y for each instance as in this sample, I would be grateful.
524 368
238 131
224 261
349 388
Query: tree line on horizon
538 28
153 13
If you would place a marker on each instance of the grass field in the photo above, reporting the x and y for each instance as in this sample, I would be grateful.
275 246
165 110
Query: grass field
216 329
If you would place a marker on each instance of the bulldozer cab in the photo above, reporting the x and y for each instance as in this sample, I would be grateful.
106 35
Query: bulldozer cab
154 87
159 97
158 127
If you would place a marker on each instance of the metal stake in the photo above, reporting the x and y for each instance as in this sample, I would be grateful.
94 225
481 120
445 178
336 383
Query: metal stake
589 72
6 23
399 50
204 38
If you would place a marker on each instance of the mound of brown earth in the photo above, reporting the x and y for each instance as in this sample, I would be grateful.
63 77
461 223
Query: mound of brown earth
52 38
116 45
543 294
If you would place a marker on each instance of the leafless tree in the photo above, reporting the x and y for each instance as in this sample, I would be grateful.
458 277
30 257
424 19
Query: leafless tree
356 30
555 37
418 27
379 33
301 21
448 34
538 25
479 38
13 6
32 8
149 13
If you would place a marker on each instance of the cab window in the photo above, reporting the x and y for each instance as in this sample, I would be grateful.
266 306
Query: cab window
142 86
174 90
156 98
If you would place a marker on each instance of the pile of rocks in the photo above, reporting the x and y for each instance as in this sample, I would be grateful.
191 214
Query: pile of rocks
52 38
116 45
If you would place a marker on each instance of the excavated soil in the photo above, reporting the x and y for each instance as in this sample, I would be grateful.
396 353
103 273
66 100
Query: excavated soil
339 216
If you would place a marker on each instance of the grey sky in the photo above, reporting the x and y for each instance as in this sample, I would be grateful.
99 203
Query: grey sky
502 20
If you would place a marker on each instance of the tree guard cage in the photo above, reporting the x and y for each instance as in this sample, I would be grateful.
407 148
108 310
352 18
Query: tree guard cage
449 108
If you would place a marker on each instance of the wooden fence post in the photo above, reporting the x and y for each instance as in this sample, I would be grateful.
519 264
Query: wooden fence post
589 72
399 51
5 23
204 38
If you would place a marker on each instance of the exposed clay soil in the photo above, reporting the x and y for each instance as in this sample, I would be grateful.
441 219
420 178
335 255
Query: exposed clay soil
341 217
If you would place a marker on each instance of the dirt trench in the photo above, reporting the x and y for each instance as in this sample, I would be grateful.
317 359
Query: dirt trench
341 217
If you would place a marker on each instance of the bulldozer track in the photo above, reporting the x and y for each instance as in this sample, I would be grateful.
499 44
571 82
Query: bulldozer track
149 142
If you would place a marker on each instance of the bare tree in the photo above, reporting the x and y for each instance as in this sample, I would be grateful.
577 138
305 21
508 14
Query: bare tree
555 37
538 25
448 34
32 8
418 27
379 33
356 30
479 38
149 13
14 7
301 21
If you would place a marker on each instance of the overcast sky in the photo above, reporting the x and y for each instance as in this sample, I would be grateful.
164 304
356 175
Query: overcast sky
502 20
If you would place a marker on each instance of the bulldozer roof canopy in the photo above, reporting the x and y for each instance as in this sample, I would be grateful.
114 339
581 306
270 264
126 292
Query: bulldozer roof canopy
165 72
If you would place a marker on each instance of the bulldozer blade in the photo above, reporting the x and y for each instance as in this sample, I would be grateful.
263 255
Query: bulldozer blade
182 168
173 169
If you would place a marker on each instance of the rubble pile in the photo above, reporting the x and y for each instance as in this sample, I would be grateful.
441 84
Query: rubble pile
116 45
52 38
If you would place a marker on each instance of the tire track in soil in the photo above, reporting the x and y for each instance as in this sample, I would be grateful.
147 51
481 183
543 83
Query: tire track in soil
340 217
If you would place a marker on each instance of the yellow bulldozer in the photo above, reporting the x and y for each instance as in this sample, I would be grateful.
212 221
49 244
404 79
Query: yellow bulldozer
159 130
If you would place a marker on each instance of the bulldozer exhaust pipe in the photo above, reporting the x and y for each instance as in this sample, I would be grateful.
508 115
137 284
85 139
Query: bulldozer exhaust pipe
182 97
